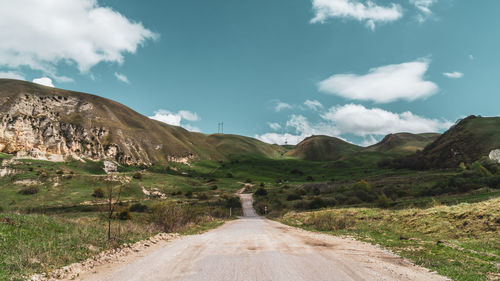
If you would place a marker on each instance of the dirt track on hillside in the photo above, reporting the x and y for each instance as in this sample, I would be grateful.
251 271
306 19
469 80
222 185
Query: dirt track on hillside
254 248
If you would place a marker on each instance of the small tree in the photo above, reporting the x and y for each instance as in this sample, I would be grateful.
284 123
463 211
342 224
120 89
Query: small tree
111 206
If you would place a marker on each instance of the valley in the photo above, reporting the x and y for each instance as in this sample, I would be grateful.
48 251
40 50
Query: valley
81 174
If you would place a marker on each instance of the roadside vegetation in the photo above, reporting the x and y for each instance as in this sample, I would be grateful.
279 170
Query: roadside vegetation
458 241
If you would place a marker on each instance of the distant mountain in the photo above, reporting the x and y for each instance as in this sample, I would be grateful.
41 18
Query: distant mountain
323 148
49 123
467 141
404 142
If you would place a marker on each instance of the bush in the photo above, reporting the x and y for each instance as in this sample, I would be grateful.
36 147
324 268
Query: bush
328 221
262 184
233 202
189 194
167 215
139 208
213 187
310 178
137 176
293 197
229 175
1 209
383 201
203 196
248 181
29 190
98 193
316 203
60 172
261 192
125 215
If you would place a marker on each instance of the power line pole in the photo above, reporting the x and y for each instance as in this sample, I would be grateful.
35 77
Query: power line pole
222 124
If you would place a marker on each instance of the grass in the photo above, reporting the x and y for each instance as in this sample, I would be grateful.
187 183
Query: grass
458 241
39 243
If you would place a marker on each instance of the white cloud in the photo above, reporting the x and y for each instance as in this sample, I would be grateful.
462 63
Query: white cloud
176 119
188 115
44 81
424 8
275 126
313 104
122 77
353 119
368 12
359 120
11 75
281 106
383 84
471 57
301 128
42 34
455 74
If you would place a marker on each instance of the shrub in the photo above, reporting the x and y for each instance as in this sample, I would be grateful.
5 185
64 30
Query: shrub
203 196
137 176
296 172
189 194
316 203
327 221
169 216
262 184
1 209
310 178
293 197
233 202
248 181
60 172
98 192
261 192
213 187
383 201
43 174
229 175
139 208
28 190
125 215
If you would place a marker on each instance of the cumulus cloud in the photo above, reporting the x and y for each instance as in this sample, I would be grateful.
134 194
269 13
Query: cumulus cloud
423 7
281 106
11 75
383 84
42 34
122 77
455 74
300 128
359 120
46 81
313 104
176 118
275 126
354 119
368 12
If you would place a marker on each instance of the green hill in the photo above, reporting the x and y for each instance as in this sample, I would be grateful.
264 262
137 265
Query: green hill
467 141
404 142
323 148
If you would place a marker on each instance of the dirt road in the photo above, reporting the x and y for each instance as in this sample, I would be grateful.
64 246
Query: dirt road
254 248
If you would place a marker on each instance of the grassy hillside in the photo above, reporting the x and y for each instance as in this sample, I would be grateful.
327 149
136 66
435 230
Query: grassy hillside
323 148
404 142
467 141
459 241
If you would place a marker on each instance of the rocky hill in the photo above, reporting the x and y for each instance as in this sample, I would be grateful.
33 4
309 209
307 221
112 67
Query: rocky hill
54 124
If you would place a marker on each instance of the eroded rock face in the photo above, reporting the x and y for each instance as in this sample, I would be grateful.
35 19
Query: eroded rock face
33 127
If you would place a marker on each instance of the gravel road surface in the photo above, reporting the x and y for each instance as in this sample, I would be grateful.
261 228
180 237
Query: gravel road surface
254 248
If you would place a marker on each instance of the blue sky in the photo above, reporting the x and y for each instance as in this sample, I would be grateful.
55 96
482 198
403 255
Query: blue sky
278 70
